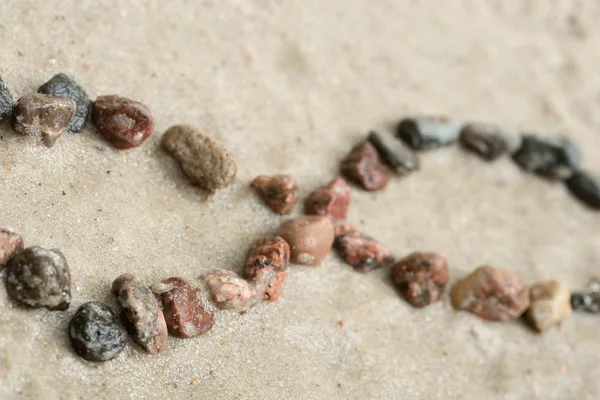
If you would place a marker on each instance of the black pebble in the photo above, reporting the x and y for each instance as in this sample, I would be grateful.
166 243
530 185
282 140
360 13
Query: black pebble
399 160
96 333
62 85
6 100
551 160
586 188
589 302
425 133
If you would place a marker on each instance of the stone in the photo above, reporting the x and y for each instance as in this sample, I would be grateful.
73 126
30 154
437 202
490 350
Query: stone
360 251
206 163
61 85
587 300
6 100
489 141
266 266
95 332
363 166
493 294
10 244
428 132
124 123
550 303
142 313
279 192
184 316
310 238
38 114
37 277
331 201
397 158
586 188
551 159
421 278
229 291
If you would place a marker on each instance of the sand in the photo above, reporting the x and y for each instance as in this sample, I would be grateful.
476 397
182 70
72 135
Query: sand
289 87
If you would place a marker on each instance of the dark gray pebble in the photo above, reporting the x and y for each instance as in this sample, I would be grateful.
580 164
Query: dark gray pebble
96 333
398 159
61 85
586 188
555 160
423 133
6 100
489 141
588 302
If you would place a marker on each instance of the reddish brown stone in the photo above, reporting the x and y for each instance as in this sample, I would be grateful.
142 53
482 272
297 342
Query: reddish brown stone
363 166
421 278
330 201
184 316
10 244
124 123
229 291
280 192
267 266
360 251
310 238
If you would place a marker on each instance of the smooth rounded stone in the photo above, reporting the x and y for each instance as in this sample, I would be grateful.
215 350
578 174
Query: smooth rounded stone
279 192
363 166
6 100
141 313
588 299
421 278
10 244
550 303
266 266
489 141
184 316
360 251
397 158
42 114
585 187
424 133
493 294
61 85
310 238
96 333
551 159
229 291
206 162
124 123
331 200
38 278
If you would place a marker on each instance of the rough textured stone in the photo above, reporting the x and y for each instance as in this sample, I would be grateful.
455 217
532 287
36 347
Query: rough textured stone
122 122
183 314
493 294
229 291
363 166
550 303
279 192
207 163
266 266
41 114
398 159
330 201
585 187
310 238
142 313
61 85
555 160
96 333
489 141
424 133
588 299
6 100
421 278
10 244
38 277
360 251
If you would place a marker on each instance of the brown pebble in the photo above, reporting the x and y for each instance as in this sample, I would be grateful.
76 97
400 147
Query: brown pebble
310 238
229 291
10 243
206 163
330 201
42 114
363 166
359 250
123 122
489 141
183 314
421 278
493 294
550 304
267 266
280 192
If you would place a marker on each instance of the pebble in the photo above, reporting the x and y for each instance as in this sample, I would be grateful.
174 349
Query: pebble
184 316
360 251
310 238
37 113
38 277
95 332
589 299
550 303
489 141
585 187
330 201
398 159
10 244
266 266
555 160
493 294
363 166
142 313
61 85
207 163
6 100
424 133
421 278
124 123
280 192
229 291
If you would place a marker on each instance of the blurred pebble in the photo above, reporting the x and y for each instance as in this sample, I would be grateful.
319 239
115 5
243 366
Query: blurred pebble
550 303
424 133
489 141
360 251
310 238
399 159
61 85
229 291
10 244
363 166
266 266
552 160
589 299
585 187
279 192
421 278
331 200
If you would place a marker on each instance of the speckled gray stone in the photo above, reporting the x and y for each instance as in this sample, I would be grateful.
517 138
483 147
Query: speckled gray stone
6 100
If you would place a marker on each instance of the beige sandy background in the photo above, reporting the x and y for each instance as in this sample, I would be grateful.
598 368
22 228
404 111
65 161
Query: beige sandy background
289 87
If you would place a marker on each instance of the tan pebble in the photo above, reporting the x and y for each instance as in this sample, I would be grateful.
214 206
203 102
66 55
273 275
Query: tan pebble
550 304
310 238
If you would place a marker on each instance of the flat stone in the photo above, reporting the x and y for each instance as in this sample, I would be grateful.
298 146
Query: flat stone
266 266
398 159
61 85
428 132
550 303
489 141
585 187
6 100
10 244
331 201
360 251
551 159
421 278
279 192
229 291
364 167
310 238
